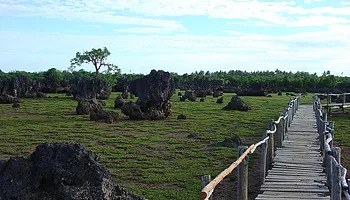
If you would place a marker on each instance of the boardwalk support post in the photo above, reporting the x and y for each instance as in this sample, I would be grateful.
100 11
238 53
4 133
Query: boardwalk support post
263 158
271 146
322 130
280 132
336 183
243 175
205 180
327 160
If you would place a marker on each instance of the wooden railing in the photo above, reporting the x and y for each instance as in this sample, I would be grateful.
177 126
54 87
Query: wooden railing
268 146
329 104
335 172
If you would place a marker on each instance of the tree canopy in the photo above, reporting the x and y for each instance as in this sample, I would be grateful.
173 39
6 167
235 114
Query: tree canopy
98 57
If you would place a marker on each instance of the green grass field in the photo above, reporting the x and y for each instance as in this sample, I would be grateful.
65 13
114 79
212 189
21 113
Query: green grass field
151 158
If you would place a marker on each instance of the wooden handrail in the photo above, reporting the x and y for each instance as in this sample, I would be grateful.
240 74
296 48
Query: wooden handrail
206 190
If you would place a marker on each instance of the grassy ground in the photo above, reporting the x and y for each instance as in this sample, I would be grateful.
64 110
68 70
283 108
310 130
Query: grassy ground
151 158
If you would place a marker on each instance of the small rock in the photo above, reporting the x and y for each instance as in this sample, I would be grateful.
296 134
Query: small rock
192 135
107 116
6 99
220 100
119 101
84 107
182 116
236 103
16 105
41 95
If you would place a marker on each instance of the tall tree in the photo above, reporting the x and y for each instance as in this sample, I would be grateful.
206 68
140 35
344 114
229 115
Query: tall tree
97 57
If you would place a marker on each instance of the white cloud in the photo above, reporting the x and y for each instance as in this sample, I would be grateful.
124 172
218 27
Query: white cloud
141 12
312 1
88 11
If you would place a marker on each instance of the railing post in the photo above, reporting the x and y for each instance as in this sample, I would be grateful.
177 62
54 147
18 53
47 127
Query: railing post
290 117
286 123
336 183
331 126
344 101
243 175
336 152
271 148
327 163
205 181
315 98
322 130
280 132
263 159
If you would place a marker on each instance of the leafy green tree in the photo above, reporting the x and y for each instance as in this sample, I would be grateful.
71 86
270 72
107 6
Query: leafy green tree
53 77
97 57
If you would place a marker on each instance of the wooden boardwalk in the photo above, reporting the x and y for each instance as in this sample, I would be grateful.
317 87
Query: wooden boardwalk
297 171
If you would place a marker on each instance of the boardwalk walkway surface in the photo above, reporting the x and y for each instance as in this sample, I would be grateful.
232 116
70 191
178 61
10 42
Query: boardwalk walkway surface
297 171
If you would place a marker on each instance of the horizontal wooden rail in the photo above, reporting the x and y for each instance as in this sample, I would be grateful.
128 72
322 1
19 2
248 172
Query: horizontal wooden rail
206 190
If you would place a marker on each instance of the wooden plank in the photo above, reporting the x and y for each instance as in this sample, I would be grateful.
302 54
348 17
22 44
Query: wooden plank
291 194
294 186
301 190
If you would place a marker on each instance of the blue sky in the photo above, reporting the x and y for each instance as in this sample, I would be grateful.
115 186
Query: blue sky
178 36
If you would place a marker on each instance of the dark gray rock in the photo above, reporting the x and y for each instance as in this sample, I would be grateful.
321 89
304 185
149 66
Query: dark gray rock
6 99
236 103
85 106
106 116
190 95
181 116
59 171
16 105
154 92
89 88
200 93
202 99
20 86
251 92
125 95
233 142
216 93
192 135
220 100
119 102
41 95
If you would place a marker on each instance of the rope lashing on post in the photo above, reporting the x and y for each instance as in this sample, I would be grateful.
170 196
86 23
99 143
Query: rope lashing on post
344 183
259 143
326 143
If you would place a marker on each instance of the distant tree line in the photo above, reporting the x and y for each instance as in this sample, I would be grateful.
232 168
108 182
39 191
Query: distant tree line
54 80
